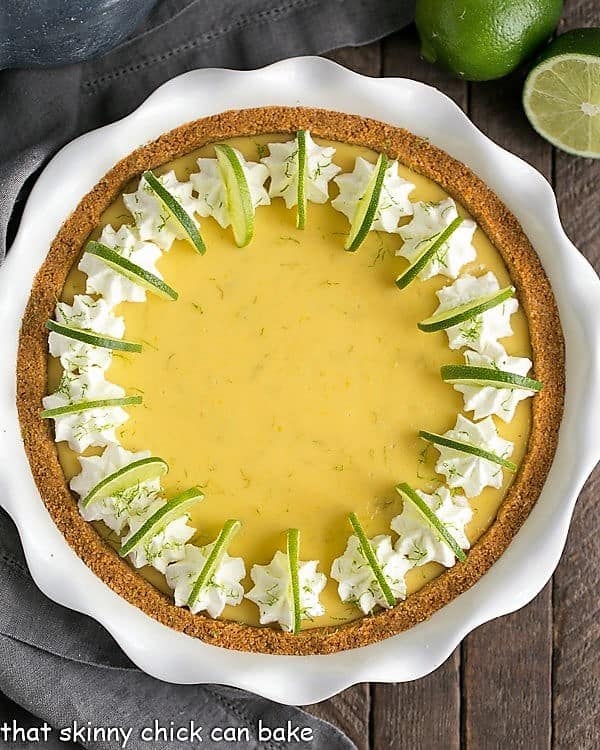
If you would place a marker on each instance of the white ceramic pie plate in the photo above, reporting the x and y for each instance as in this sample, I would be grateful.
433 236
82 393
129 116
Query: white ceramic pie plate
526 565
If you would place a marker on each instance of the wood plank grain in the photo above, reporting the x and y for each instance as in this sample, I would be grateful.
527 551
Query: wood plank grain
423 714
365 60
576 664
350 711
506 690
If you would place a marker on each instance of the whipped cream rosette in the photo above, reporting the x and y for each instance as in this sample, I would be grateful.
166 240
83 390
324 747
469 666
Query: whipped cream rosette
272 591
153 221
429 219
164 547
283 166
486 400
357 582
222 589
117 509
419 542
211 189
112 286
485 328
393 201
469 471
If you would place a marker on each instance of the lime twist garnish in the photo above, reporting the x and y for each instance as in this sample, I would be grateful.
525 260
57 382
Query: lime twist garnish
170 511
293 555
419 263
175 211
92 338
130 270
239 198
302 174
142 470
369 555
213 561
448 318
430 518
366 208
487 376
79 406
463 447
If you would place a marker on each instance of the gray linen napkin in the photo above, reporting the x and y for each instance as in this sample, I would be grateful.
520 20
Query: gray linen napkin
61 666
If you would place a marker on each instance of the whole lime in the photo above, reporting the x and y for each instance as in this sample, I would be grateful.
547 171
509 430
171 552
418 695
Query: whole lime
479 40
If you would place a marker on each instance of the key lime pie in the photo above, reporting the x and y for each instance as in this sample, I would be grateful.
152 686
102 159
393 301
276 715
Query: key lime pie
290 380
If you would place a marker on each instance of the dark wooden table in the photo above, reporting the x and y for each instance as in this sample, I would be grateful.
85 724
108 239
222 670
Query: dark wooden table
530 680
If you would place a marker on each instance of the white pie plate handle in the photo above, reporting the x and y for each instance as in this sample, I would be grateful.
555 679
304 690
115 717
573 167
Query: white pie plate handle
315 82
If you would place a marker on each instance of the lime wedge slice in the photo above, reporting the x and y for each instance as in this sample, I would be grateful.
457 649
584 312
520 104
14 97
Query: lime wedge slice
176 211
131 271
226 534
293 555
431 519
61 411
473 450
448 318
239 198
487 376
163 517
367 206
142 470
561 96
302 172
92 338
419 263
369 555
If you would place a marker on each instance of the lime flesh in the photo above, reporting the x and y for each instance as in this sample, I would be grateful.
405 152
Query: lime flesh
419 263
455 315
487 376
302 169
561 97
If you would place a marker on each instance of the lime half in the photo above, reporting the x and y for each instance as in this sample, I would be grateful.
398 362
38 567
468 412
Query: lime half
162 518
562 93
369 555
142 470
239 198
431 519
228 531
130 270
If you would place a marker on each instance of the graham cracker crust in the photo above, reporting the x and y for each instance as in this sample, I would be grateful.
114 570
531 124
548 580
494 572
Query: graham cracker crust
534 293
